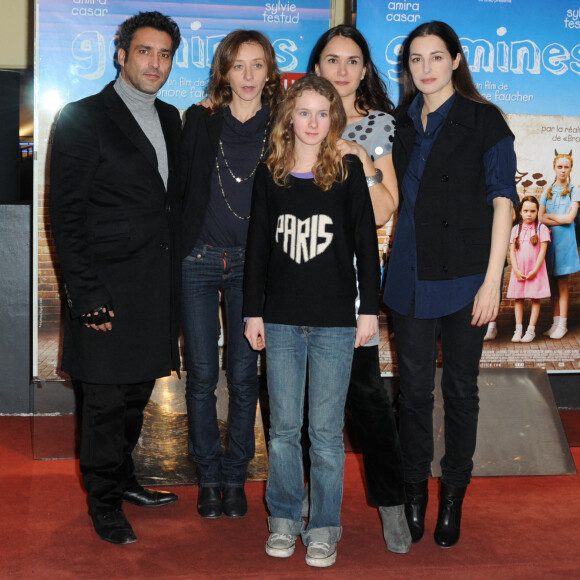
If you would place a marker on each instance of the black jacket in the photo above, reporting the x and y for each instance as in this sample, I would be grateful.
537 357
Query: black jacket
116 230
199 145
452 216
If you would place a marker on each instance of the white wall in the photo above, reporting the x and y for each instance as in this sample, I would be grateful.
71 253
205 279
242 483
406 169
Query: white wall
16 34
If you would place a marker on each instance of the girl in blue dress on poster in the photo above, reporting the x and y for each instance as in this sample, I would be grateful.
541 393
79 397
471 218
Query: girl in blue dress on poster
558 209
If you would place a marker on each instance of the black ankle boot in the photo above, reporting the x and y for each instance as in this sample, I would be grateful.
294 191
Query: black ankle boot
449 520
415 508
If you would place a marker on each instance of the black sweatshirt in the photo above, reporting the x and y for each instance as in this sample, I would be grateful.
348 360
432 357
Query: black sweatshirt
310 280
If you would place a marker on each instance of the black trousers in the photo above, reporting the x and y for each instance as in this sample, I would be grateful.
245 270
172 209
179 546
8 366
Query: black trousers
112 418
375 428
417 350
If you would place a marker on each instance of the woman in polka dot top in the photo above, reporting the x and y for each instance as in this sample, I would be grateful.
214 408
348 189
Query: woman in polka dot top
342 56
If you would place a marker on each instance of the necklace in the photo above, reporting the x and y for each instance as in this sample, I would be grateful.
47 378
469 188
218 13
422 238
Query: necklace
235 177
219 176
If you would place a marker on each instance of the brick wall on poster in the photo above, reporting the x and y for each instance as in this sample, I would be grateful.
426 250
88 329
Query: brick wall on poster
50 278
49 274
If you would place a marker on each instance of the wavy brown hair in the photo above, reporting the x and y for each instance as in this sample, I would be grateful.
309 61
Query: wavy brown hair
330 166
566 190
219 90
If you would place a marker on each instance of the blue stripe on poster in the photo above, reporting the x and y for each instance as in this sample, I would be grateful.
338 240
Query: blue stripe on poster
77 40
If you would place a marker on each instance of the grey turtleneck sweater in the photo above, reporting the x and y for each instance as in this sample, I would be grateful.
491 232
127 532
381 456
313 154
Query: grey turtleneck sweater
142 107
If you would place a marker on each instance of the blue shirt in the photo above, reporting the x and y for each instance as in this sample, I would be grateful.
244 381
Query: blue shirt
242 145
436 298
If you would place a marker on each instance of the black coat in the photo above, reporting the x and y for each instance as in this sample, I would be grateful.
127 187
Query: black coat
116 230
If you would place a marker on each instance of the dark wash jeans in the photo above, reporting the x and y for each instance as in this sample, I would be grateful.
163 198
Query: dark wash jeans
205 271
375 428
461 345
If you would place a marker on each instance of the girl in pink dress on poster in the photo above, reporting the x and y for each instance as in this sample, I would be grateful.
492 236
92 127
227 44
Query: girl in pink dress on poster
529 278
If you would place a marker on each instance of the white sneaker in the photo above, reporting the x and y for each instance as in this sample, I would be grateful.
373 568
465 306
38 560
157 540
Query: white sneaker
559 333
321 554
491 333
551 329
280 545
517 337
529 336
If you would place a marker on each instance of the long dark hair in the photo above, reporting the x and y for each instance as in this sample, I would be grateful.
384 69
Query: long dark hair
461 78
371 93
219 90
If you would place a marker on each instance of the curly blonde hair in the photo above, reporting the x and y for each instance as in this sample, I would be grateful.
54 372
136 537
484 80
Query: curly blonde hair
566 190
329 167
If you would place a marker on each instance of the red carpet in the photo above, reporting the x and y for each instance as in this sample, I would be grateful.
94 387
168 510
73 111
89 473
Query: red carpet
525 527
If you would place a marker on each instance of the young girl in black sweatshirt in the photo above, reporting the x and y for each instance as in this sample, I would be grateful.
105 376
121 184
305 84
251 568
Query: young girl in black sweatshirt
311 215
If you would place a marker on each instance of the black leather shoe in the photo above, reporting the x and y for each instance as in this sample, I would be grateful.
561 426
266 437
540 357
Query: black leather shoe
148 498
235 503
415 508
449 519
113 527
209 502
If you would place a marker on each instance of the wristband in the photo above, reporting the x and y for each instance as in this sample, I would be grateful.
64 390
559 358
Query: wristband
374 179
97 317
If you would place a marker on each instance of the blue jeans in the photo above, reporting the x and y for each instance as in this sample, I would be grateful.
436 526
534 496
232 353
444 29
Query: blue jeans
205 271
461 345
328 354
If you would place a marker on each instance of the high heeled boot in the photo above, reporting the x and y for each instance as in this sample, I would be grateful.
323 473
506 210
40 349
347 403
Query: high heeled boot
449 519
415 508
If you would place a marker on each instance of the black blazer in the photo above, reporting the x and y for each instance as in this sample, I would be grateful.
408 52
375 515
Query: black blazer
116 230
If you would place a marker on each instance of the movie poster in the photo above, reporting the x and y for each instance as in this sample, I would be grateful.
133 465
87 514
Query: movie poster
76 58
524 56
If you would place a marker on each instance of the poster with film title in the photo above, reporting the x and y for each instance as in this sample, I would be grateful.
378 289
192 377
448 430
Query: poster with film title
76 41
524 56
76 58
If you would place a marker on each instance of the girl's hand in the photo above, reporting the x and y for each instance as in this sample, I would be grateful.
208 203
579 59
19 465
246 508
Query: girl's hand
519 275
486 304
254 333
531 275
367 326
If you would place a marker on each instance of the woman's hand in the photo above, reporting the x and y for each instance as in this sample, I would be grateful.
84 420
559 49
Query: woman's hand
486 304
367 325
351 148
254 333
206 103
384 195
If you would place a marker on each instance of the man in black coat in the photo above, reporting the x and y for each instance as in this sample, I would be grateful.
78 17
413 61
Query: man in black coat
114 207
